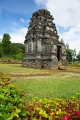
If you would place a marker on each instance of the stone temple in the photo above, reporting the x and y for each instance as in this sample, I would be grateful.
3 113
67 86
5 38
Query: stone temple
42 46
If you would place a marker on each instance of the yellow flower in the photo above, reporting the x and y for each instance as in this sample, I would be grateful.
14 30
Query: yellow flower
58 112
43 113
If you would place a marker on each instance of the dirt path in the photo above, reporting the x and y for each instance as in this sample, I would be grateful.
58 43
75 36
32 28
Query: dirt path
45 73
73 70
29 74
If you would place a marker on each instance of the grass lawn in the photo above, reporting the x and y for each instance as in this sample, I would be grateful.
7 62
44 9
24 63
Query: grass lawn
17 68
61 85
49 86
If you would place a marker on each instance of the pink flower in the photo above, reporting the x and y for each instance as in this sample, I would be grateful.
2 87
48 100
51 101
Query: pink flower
66 117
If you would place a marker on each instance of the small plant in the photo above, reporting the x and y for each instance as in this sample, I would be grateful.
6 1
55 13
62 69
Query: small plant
53 109
11 102
4 79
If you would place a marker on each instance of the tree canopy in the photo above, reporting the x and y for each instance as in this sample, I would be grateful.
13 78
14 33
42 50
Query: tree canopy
6 43
70 54
78 56
9 49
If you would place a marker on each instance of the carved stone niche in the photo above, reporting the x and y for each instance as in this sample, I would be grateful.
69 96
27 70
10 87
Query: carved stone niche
42 46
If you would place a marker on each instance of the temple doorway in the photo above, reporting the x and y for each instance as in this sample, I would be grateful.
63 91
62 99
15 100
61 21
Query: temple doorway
59 53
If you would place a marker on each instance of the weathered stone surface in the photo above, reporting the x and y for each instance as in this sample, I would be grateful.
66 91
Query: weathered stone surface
61 66
42 46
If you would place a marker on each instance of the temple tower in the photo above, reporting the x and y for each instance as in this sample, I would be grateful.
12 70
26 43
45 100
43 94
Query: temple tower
42 46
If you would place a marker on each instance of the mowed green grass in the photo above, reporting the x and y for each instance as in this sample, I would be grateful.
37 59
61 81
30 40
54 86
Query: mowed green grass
49 86
17 68
56 85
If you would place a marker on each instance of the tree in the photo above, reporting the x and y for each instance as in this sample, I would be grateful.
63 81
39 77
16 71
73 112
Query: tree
68 53
71 54
6 43
74 55
19 56
17 49
78 56
1 50
11 50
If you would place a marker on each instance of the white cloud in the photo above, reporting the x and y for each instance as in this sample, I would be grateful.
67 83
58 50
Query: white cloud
18 35
72 37
22 20
0 38
66 14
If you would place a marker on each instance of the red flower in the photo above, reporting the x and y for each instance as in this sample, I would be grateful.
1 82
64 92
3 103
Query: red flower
78 114
66 117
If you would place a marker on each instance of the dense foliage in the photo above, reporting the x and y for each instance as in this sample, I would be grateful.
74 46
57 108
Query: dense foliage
13 107
70 54
54 109
6 43
11 102
11 50
78 56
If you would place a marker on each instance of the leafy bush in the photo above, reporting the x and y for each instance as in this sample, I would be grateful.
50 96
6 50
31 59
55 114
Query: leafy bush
79 65
50 109
19 56
11 102
74 65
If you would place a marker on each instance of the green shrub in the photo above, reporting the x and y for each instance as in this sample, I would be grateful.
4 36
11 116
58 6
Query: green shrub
74 65
19 56
11 102
78 65
54 109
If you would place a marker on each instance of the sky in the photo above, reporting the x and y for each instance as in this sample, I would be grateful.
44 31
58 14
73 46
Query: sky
15 17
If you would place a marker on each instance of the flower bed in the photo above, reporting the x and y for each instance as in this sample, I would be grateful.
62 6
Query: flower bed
13 107
53 109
